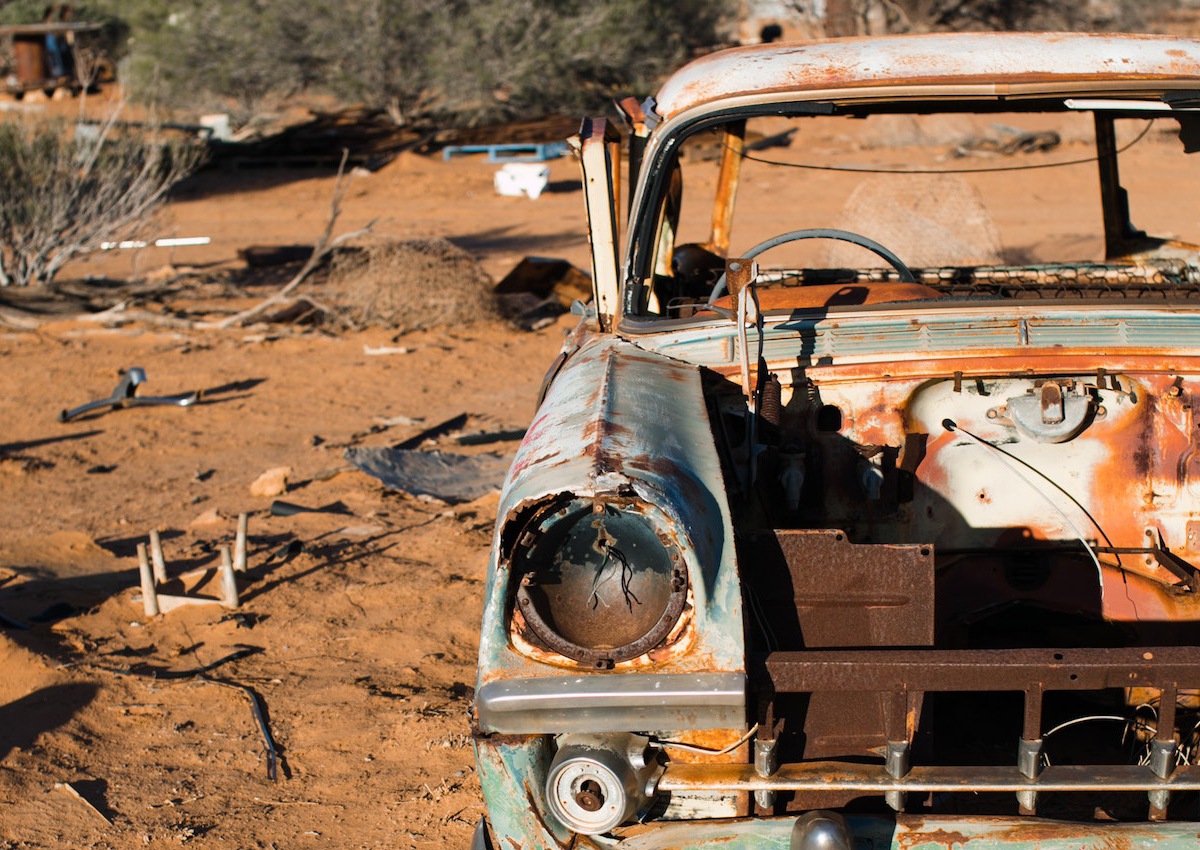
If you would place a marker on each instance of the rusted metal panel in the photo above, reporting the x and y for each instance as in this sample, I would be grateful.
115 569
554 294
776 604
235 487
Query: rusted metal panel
916 832
848 595
621 423
983 669
1002 62
30 54
859 595
512 773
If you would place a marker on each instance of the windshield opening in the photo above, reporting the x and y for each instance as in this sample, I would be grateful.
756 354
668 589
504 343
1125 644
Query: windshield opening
976 205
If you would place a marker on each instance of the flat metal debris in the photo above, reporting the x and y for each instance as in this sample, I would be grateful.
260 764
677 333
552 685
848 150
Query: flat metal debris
125 395
446 476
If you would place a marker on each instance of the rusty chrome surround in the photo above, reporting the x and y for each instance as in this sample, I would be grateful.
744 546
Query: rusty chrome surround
526 557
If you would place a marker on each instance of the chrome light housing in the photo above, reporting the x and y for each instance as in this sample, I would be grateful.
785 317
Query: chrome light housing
597 782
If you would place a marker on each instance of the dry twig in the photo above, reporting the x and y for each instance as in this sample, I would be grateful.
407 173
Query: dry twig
324 246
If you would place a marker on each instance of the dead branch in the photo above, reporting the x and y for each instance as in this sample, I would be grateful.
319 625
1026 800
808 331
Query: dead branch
324 246
122 313
18 320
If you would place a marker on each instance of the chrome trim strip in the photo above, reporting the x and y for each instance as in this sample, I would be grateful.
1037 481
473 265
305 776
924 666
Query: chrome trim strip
610 703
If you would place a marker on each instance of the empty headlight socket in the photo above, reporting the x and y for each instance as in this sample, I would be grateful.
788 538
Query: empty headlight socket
596 582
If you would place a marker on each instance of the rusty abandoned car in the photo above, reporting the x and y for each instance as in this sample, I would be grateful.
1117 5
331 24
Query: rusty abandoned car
829 537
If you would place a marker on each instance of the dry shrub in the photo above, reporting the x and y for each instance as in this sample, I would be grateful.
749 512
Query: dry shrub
407 285
67 190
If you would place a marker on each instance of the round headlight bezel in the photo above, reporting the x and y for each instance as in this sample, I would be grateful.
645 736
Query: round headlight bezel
538 545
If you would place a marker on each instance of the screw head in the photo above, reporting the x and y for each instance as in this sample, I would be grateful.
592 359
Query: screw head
590 797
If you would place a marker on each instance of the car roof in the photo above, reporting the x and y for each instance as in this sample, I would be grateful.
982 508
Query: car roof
934 65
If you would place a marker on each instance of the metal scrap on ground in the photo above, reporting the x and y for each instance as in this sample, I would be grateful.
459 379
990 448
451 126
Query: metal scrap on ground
125 395
449 477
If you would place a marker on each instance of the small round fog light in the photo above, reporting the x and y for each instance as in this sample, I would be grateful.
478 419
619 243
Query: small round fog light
597 782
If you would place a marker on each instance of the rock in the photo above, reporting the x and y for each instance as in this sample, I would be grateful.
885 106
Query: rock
271 483
209 517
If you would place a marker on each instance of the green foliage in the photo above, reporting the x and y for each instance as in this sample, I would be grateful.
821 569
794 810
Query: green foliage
66 190
496 60
1029 15
865 17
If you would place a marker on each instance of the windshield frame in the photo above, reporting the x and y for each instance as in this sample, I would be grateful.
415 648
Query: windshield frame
661 152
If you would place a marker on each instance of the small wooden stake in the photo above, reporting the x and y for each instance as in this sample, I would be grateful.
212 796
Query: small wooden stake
66 786
149 595
156 556
229 592
239 545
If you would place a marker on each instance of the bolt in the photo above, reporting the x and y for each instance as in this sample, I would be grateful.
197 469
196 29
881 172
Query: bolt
590 796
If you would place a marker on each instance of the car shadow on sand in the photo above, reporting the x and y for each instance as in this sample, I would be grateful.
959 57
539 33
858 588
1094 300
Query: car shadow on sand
24 719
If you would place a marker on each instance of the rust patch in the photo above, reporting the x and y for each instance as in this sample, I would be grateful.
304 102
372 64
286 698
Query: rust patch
907 840
1143 453
537 815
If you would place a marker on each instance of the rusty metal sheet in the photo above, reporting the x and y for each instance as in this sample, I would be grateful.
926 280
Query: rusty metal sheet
854 595
849 594
916 832
996 62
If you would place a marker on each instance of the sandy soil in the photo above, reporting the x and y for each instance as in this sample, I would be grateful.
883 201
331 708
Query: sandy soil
361 647
359 641
363 644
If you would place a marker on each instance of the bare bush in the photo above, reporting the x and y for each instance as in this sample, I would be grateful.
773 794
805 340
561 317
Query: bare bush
69 189
407 285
